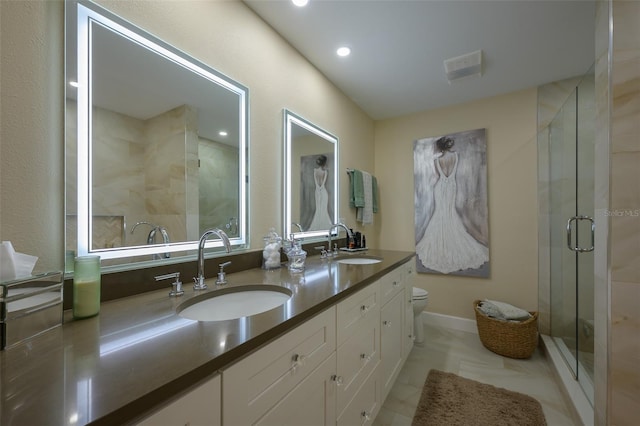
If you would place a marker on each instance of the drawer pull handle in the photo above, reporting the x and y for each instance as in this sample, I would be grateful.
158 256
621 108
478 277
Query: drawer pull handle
364 309
337 379
386 323
396 283
298 361
365 357
365 416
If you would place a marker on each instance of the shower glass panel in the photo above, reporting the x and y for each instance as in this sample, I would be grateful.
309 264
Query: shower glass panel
571 160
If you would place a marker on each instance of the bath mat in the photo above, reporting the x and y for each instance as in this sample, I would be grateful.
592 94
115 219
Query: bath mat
448 400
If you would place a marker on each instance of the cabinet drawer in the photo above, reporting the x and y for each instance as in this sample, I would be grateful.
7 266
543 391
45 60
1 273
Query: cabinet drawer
364 407
390 285
358 356
355 310
255 384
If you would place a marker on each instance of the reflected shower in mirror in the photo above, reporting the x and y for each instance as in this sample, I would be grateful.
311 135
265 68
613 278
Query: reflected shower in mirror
311 178
154 137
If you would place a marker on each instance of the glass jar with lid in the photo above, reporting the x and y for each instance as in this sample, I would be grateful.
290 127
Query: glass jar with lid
271 252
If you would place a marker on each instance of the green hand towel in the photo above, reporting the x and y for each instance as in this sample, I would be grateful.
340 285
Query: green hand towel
356 190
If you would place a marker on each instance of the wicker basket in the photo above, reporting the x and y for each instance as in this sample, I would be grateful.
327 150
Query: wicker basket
508 338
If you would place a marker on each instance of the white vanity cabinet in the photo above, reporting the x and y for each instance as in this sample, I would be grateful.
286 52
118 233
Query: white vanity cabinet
358 352
334 369
200 406
274 384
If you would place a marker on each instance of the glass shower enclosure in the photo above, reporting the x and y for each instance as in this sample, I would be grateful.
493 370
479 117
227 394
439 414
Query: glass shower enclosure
571 168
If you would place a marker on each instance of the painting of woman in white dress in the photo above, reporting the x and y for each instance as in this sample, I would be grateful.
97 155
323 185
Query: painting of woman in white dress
451 204
317 187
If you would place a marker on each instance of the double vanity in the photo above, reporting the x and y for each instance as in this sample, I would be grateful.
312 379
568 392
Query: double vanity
323 346
327 355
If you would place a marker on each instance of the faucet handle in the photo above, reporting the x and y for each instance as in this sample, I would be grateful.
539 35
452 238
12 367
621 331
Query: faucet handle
176 286
323 252
222 279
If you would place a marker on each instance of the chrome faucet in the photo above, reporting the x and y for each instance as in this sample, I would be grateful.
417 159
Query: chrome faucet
151 238
331 228
199 280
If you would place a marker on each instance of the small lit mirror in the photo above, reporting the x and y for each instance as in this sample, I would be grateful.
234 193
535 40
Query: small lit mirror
156 144
311 178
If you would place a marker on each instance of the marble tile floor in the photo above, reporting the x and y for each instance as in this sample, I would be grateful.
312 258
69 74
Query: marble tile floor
462 353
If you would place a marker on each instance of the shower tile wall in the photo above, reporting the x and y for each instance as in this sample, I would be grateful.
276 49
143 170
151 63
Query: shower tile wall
165 174
624 211
601 200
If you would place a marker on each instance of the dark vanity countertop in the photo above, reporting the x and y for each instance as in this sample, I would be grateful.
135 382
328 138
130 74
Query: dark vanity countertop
119 366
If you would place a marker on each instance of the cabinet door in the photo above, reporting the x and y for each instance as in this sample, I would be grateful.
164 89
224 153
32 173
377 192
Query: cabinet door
254 385
201 406
357 358
312 402
408 332
364 407
355 310
391 340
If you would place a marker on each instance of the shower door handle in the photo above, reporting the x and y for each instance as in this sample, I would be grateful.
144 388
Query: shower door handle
577 248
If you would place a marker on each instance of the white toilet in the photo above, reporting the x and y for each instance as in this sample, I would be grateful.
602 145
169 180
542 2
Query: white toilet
420 299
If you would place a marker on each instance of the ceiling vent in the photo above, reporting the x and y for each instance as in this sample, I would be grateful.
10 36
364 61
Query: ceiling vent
469 65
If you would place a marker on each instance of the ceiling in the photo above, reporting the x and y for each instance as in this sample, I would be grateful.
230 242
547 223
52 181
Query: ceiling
398 46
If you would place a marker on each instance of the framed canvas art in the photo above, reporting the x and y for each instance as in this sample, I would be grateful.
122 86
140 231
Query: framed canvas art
451 204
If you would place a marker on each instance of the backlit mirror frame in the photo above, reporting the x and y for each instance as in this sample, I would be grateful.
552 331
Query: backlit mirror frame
290 121
89 14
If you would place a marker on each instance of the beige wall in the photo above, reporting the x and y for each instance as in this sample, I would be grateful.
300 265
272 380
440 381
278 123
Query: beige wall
224 34
510 121
31 130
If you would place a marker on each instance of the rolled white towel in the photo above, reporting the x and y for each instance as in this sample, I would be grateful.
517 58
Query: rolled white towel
504 310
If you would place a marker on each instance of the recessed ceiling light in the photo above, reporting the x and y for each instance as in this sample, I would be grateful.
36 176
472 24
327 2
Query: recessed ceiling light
222 133
343 51
300 3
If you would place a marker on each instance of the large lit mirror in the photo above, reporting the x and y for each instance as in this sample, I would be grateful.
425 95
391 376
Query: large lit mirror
311 178
156 144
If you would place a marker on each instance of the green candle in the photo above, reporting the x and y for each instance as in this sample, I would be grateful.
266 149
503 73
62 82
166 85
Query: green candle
86 286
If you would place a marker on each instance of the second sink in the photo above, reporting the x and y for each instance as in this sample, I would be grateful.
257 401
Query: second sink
234 302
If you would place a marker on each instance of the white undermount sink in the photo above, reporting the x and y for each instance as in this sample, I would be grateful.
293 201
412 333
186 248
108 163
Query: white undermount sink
359 260
234 302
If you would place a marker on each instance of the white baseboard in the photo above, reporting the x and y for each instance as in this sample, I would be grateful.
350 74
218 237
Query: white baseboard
448 321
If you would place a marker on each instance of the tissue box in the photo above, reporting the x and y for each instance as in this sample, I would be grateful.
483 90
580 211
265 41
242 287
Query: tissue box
29 307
